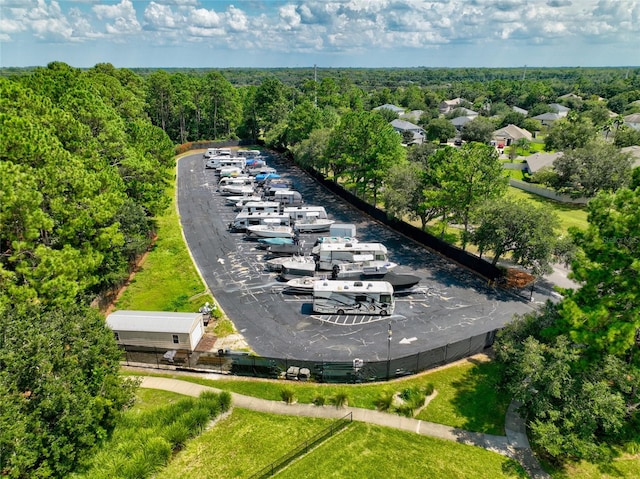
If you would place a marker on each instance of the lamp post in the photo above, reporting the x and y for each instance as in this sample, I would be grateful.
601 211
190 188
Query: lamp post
389 335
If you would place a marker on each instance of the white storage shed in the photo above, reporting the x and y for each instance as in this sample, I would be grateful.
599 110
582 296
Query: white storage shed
159 329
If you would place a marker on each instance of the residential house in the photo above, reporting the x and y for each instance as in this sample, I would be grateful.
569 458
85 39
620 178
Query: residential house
397 109
460 121
570 96
448 105
633 121
547 119
510 134
402 126
171 331
466 112
634 151
561 110
537 161
412 116
522 111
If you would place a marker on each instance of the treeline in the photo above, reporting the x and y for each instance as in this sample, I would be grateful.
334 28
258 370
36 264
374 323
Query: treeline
82 173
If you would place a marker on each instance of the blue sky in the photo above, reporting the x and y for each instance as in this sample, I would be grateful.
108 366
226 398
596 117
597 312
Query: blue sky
331 33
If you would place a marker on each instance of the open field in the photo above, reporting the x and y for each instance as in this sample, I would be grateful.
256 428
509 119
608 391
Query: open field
467 394
167 280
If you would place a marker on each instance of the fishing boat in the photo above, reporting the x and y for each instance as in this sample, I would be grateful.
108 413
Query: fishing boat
312 224
277 264
275 241
296 268
302 285
365 267
270 230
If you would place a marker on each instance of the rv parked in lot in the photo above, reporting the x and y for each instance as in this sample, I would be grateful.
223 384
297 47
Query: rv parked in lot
261 206
287 197
243 220
330 254
353 297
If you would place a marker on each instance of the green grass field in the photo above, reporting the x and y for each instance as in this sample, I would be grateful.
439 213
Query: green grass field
168 279
569 215
375 452
467 394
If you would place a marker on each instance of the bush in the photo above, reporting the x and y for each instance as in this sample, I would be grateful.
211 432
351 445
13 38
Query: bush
288 395
319 400
341 399
385 401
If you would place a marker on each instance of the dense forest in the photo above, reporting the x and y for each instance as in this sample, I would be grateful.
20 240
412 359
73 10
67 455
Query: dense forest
87 154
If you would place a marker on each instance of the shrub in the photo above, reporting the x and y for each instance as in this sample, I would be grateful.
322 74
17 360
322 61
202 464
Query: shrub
341 399
385 401
288 395
319 400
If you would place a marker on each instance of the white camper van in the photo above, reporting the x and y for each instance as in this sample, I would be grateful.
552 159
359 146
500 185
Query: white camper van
353 297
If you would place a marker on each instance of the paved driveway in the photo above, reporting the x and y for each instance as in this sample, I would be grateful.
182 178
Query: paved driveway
449 304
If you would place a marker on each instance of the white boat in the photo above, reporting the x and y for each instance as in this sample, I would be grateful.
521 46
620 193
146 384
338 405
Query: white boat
237 190
293 269
364 267
313 224
277 264
240 201
302 285
270 230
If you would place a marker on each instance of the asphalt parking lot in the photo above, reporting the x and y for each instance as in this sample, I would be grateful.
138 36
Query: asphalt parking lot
449 304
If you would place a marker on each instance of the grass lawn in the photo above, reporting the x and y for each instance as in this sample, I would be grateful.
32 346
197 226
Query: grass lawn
147 399
467 394
168 280
569 215
627 466
240 445
369 451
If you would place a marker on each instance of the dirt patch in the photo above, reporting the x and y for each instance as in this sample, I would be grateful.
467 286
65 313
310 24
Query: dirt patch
518 279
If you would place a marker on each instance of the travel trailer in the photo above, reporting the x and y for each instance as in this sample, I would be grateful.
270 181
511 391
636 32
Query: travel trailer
287 197
353 297
243 220
330 254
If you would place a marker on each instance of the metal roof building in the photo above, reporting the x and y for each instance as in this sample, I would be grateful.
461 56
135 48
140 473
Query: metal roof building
157 329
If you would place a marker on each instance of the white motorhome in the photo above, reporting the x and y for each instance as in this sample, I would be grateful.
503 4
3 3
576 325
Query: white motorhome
330 254
353 297
261 206
243 220
287 197
218 162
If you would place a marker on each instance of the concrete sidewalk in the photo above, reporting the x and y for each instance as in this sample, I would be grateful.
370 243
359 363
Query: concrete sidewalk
514 445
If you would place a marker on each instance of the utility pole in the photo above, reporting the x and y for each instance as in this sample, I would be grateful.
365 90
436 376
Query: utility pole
524 73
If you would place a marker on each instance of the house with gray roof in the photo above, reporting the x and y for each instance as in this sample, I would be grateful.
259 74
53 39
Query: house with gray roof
547 119
402 126
460 121
522 111
633 121
559 109
396 109
537 161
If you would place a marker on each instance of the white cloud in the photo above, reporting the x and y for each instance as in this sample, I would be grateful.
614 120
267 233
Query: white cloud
124 16
160 16
201 17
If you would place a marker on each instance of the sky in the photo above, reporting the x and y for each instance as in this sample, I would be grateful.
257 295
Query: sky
330 33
